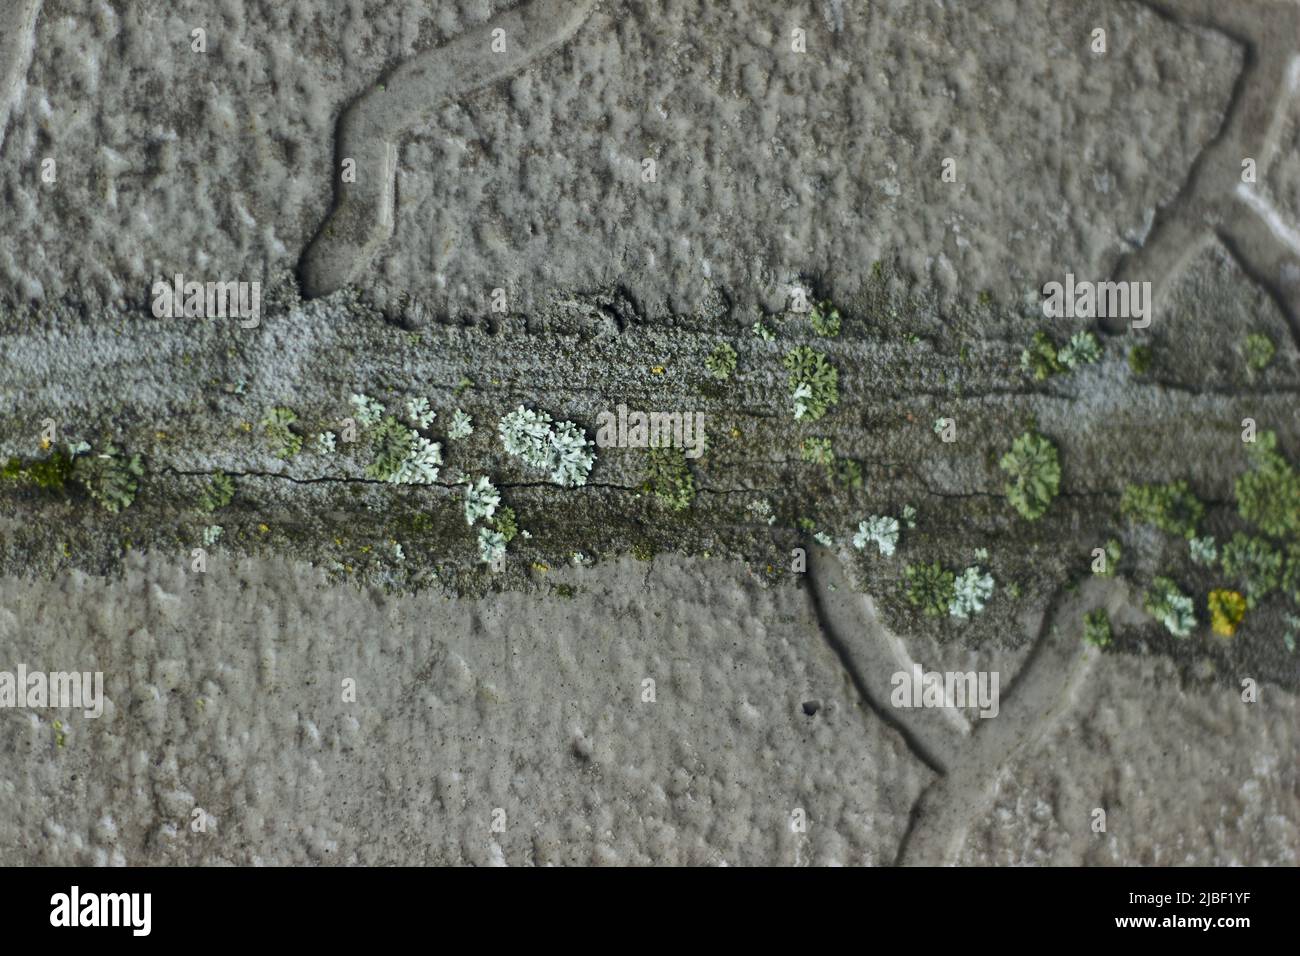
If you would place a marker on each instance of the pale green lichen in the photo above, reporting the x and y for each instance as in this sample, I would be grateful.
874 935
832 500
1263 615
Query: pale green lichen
402 455
1204 551
481 500
368 412
1258 350
1083 348
1255 564
561 448
1042 358
971 590
462 426
761 509
491 546
1171 607
418 413
880 530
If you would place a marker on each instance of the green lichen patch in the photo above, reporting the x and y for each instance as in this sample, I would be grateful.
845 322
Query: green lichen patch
390 443
1268 495
1043 358
1170 606
49 474
721 362
669 478
506 524
814 383
110 477
1039 358
217 493
276 426
1139 359
929 587
825 319
846 472
1172 508
1096 628
1258 350
1254 564
817 450
1034 472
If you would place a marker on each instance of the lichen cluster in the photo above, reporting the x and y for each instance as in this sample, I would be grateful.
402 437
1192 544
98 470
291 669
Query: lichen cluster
669 478
1096 628
560 448
937 591
825 319
721 362
814 383
217 493
277 426
929 588
109 476
1172 507
401 455
1043 358
1170 606
1034 473
880 530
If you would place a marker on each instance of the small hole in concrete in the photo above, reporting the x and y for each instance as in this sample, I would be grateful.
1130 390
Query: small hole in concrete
810 707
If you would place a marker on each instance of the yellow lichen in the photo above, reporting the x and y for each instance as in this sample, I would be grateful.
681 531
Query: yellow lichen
1226 608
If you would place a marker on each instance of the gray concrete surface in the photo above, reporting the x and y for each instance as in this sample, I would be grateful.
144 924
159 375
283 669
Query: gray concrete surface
522 691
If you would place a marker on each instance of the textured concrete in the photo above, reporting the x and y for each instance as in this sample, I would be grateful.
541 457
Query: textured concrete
504 718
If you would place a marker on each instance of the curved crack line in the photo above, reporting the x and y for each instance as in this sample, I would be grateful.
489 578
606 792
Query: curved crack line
967 760
1208 205
368 131
920 747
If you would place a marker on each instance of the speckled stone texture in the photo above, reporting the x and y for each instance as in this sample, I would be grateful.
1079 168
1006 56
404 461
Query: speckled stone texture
226 694
770 163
